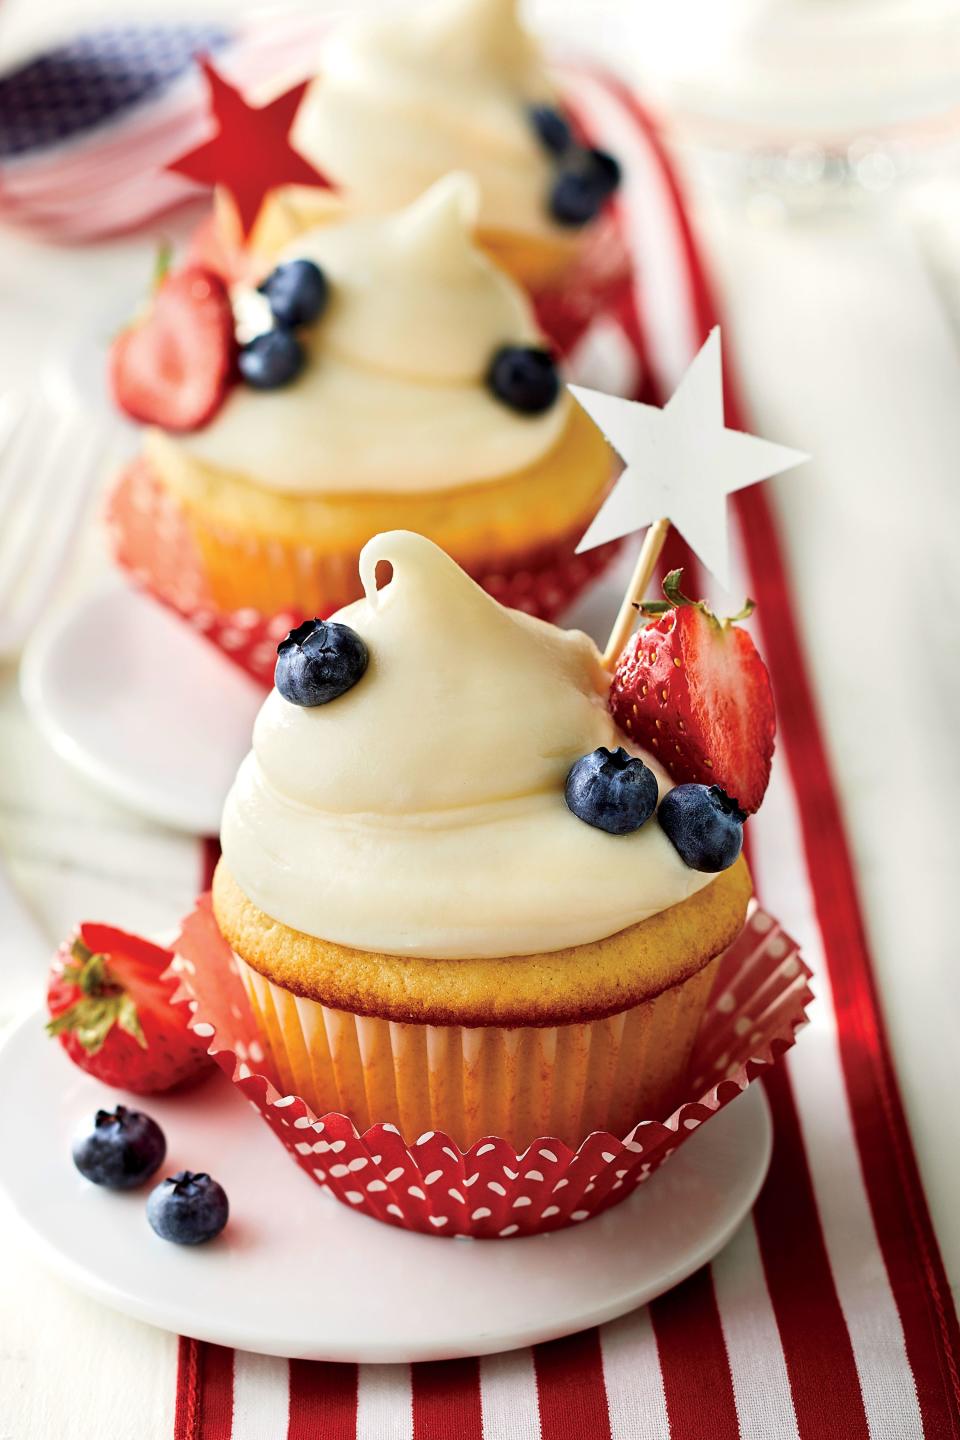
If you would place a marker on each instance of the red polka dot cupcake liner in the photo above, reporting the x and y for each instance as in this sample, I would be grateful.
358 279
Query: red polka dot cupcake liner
597 288
154 542
491 1190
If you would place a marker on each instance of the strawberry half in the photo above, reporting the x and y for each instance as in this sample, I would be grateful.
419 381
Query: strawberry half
692 689
172 367
110 1005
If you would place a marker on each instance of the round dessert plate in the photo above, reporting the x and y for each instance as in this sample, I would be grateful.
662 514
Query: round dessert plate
297 1274
141 705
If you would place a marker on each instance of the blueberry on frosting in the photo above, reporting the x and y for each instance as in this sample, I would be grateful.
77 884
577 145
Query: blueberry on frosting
524 377
297 293
271 360
318 662
551 128
612 790
584 178
585 181
604 169
703 825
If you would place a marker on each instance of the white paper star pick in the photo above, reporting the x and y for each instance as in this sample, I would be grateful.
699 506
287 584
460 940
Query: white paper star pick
681 461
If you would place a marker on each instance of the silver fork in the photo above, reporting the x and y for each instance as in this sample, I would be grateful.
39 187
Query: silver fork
50 459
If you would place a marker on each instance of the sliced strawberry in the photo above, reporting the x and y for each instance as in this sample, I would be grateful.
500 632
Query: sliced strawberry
172 367
110 1005
694 691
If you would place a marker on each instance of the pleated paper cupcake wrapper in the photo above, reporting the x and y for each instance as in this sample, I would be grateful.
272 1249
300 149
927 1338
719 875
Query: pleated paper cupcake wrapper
170 555
597 287
493 1189
518 1081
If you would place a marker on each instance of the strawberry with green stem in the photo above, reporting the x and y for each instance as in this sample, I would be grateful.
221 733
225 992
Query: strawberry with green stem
692 689
109 996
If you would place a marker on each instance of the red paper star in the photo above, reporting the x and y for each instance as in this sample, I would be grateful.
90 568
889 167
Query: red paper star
251 152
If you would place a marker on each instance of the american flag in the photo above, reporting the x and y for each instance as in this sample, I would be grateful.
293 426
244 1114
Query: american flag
86 128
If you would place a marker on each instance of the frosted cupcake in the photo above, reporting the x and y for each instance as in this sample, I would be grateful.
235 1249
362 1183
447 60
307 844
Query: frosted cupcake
392 375
403 98
456 890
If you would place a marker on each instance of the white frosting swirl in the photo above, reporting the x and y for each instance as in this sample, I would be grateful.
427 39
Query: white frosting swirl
392 396
422 813
403 98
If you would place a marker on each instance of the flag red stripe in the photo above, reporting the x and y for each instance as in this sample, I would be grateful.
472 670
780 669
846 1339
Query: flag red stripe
446 1400
570 1389
693 1362
323 1401
813 1332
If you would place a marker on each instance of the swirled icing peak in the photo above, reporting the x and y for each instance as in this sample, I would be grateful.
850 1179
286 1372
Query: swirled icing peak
392 396
423 812
405 97
412 293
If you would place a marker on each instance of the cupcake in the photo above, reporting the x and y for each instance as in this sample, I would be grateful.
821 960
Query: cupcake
392 376
460 897
401 99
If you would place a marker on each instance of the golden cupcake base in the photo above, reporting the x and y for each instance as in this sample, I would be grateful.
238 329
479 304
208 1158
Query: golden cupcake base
470 1082
232 545
562 1043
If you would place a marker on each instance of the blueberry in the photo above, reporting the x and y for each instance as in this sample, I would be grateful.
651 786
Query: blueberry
319 661
298 293
187 1208
585 182
552 129
271 360
612 790
122 1150
703 825
524 377
605 170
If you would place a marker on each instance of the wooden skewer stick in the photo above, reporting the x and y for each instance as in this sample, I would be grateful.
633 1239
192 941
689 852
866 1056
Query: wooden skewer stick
643 573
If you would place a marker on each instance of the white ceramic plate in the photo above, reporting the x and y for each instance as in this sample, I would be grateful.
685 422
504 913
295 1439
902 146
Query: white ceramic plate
298 1274
141 705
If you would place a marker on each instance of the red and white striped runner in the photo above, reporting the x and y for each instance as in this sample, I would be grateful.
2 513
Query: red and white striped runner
828 1317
